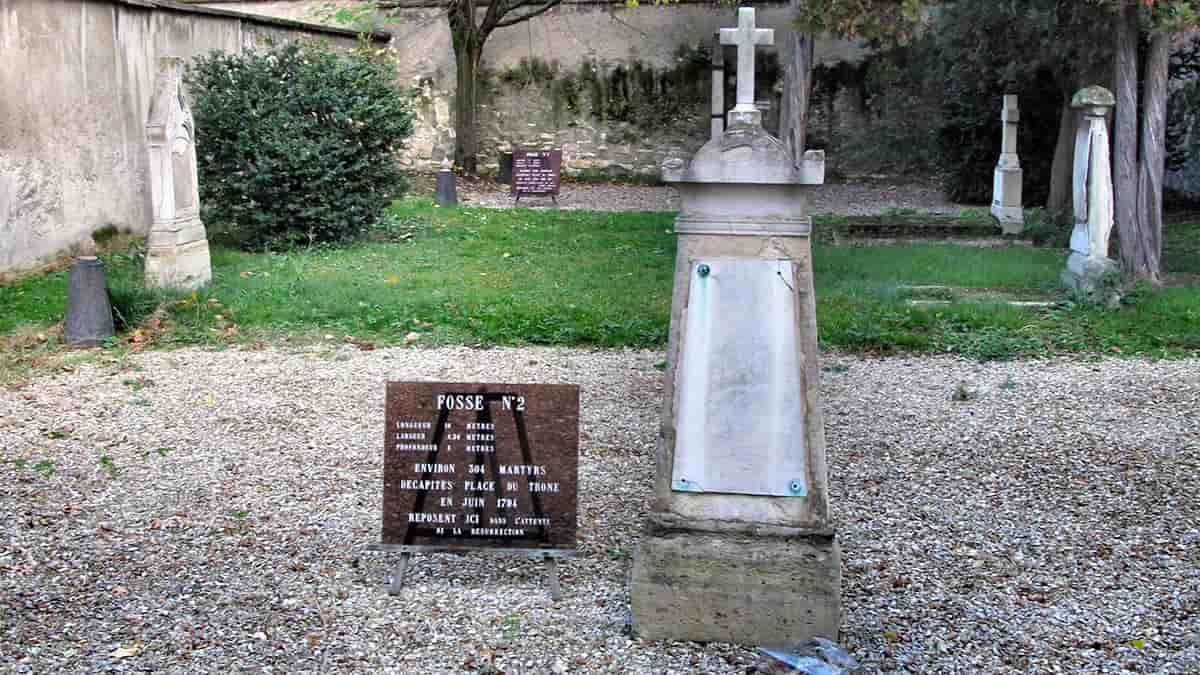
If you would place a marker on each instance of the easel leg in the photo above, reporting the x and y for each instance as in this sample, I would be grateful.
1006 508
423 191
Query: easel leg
552 578
399 574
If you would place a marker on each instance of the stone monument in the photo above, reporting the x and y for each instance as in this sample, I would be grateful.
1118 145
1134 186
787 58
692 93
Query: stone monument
177 253
1089 265
1006 183
738 546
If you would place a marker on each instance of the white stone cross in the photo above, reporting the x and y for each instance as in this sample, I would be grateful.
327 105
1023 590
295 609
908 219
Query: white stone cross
746 37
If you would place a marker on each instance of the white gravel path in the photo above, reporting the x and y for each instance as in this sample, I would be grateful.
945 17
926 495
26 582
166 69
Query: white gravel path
1050 523
856 197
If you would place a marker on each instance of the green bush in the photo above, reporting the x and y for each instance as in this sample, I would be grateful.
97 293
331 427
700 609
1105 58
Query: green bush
899 133
295 145
1051 229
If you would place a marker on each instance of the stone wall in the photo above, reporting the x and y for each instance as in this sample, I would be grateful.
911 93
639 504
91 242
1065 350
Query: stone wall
75 84
577 35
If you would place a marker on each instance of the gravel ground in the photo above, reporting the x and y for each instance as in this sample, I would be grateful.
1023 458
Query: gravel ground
209 511
844 198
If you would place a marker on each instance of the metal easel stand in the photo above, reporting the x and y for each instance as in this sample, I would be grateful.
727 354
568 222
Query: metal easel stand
549 556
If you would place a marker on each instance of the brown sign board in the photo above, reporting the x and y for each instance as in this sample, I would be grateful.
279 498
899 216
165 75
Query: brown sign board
490 466
536 172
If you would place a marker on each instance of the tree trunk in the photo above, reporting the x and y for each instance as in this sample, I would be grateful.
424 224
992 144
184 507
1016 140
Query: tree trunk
797 84
466 132
1152 161
1125 134
1063 167
467 41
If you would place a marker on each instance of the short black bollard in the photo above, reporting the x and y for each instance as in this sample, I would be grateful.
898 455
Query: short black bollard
504 174
447 195
89 316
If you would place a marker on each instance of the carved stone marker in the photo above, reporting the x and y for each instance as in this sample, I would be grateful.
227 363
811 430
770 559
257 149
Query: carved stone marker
1089 264
480 466
1006 185
739 546
177 255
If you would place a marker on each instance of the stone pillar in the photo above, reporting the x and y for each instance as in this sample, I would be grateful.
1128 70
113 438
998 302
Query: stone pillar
739 546
177 254
1006 184
1089 265
718 87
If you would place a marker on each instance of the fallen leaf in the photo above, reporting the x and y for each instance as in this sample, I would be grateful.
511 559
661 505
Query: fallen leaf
126 652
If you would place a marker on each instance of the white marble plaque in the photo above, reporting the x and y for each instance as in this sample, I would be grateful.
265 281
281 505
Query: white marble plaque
740 426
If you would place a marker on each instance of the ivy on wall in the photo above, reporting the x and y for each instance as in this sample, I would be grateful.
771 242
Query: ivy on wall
632 92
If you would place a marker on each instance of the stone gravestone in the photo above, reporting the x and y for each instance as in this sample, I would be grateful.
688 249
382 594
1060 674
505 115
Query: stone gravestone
480 466
1089 265
1006 184
177 255
739 546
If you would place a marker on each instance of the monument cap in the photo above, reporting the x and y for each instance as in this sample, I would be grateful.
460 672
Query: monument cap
1093 97
747 154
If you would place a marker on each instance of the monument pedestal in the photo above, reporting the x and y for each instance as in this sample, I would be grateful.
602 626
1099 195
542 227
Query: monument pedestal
739 546
750 588
185 267
1087 274
177 255
1006 204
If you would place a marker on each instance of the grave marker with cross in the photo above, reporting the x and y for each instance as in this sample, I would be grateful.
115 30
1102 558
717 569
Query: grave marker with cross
739 546
746 37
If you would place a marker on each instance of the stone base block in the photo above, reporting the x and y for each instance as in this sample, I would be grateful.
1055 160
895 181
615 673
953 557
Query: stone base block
1012 218
184 268
707 587
1088 275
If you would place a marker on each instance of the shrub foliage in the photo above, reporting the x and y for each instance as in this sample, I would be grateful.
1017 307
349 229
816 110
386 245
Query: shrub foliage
295 145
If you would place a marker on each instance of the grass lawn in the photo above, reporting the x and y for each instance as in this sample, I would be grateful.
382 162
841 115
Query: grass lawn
480 276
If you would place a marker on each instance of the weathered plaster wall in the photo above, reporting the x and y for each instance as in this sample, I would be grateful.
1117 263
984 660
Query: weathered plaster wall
75 83
577 32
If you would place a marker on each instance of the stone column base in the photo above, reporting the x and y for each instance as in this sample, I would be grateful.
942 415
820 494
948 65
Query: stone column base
1006 196
1012 218
1088 275
754 590
186 267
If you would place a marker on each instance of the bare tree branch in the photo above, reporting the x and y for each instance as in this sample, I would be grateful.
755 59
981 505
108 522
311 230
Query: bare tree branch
549 5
